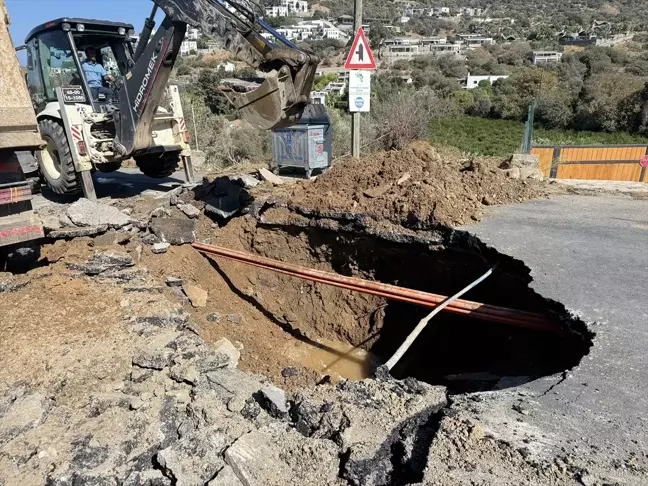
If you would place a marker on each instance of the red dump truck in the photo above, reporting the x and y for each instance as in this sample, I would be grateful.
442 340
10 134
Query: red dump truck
18 136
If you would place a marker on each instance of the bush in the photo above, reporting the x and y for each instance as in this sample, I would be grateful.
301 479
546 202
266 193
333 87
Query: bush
223 142
403 116
321 81
184 70
207 89
233 144
341 124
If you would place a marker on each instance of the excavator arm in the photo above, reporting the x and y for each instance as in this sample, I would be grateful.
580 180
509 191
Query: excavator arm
279 100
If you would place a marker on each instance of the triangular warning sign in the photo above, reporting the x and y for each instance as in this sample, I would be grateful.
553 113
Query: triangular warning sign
360 56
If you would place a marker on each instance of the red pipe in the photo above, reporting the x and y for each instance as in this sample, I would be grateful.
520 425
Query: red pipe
477 310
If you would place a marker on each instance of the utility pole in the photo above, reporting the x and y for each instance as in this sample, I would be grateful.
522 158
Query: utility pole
355 120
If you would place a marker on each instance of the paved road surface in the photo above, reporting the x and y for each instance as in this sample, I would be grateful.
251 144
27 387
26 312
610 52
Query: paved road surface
123 183
590 253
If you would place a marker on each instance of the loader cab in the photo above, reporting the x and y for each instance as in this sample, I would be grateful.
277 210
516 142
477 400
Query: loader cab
56 52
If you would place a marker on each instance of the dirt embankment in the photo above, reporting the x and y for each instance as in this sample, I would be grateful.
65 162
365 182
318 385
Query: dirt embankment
418 188
135 388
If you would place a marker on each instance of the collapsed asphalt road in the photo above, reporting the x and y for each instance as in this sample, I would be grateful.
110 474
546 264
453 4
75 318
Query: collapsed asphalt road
591 254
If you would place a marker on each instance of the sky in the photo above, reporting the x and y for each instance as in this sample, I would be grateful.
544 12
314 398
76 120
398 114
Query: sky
27 14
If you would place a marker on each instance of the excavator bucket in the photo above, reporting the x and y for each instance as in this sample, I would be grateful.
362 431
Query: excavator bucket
277 102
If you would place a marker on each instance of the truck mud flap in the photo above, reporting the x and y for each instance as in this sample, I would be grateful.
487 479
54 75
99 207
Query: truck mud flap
18 223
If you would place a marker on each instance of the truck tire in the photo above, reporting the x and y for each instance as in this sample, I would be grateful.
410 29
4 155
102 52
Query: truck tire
108 166
158 166
56 164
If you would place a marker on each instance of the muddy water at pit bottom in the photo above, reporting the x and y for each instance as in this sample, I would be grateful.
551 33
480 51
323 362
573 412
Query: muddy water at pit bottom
339 360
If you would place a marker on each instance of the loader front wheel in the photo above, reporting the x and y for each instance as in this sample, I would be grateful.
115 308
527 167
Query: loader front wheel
158 166
55 161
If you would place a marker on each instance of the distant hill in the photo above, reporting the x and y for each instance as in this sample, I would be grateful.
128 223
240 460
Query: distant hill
625 14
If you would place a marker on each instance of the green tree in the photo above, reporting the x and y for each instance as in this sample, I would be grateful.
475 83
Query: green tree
464 98
184 70
321 81
207 88
596 59
603 100
482 103
638 67
377 34
554 108
452 67
480 61
515 54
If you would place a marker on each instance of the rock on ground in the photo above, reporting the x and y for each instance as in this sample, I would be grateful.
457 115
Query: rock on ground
197 296
174 231
189 210
277 455
228 352
523 161
246 180
24 413
370 420
92 213
174 281
266 175
225 477
159 248
195 458
273 400
70 233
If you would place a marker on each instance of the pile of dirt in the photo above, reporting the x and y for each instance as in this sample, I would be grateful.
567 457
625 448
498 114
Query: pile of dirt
418 188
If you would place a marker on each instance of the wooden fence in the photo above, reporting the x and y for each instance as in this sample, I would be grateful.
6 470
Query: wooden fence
601 162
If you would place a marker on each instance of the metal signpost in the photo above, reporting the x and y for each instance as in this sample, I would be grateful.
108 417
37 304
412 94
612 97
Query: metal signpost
359 61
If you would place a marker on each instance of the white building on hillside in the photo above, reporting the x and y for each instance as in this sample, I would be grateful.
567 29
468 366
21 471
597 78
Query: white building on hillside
473 41
192 34
188 46
335 87
472 82
228 67
408 48
318 97
313 29
439 11
470 11
276 11
297 8
546 57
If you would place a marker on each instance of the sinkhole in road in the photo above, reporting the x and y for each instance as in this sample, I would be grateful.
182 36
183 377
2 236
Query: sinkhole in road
458 351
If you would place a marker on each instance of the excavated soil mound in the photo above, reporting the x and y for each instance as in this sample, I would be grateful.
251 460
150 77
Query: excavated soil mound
418 188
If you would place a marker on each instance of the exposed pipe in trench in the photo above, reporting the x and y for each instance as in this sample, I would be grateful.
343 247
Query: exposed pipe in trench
486 312
424 322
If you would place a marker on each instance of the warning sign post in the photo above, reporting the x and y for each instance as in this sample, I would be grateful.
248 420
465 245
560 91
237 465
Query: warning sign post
360 55
359 61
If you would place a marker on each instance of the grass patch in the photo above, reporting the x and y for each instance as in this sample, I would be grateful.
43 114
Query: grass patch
484 136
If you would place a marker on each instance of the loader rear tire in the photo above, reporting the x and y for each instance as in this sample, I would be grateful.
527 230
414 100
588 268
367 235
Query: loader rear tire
55 162
158 166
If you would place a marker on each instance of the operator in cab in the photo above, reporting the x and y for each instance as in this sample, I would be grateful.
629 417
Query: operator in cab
95 75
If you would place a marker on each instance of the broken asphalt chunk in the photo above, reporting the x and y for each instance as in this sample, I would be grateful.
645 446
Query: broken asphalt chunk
174 231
